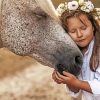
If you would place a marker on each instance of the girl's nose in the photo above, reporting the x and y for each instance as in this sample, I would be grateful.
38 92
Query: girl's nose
79 34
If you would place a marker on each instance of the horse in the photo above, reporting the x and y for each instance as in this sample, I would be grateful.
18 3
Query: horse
32 28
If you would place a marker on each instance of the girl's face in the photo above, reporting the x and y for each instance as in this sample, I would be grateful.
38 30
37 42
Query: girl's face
81 30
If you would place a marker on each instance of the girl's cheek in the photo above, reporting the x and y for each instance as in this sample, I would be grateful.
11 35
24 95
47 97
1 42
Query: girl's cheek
73 36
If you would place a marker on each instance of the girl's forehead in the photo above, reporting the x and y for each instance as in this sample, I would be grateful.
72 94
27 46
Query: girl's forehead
79 17
82 18
74 23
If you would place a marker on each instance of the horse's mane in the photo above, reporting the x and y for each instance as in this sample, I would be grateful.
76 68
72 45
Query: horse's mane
48 7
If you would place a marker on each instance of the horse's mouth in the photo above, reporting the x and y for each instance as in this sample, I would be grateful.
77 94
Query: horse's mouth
75 70
60 68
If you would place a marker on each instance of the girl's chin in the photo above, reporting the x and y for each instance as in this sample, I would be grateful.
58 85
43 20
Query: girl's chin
83 47
82 44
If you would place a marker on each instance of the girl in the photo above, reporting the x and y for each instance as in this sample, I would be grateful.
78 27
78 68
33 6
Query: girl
84 30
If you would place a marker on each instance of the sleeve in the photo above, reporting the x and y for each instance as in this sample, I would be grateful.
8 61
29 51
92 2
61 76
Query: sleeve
75 95
95 83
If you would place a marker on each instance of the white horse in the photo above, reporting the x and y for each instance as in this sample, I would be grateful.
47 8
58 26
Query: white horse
32 28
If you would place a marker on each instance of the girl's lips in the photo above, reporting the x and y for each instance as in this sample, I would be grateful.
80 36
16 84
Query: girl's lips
81 40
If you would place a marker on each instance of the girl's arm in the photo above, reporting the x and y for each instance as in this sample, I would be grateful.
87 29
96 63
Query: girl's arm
84 85
92 86
73 83
75 90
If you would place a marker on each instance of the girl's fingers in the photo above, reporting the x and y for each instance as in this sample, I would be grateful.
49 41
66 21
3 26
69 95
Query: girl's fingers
53 76
62 76
56 78
67 74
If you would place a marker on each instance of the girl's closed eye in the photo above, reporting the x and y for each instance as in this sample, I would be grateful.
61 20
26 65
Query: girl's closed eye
72 31
83 28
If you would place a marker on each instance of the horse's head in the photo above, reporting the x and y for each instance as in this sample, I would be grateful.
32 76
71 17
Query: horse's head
27 30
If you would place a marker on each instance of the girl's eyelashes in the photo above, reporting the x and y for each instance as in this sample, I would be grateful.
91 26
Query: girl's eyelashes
72 31
83 28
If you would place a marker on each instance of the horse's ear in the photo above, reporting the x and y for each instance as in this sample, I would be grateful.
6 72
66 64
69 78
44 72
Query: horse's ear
48 7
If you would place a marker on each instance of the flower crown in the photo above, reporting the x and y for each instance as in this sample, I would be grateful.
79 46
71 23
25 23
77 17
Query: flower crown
74 5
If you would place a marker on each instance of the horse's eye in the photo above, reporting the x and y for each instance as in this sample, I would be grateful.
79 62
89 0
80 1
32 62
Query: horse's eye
39 15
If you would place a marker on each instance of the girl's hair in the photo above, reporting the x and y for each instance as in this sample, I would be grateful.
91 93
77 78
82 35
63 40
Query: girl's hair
95 58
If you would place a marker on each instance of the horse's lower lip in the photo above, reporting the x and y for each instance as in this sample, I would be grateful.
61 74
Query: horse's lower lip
75 70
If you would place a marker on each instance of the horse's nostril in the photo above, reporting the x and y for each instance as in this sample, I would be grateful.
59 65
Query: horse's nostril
60 68
78 60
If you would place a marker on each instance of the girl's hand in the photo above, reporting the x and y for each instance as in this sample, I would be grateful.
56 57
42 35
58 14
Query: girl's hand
66 78
56 78
71 81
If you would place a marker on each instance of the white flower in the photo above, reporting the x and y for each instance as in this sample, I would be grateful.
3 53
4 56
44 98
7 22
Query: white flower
81 1
83 8
61 6
87 10
89 5
96 17
60 9
97 9
73 5
66 5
